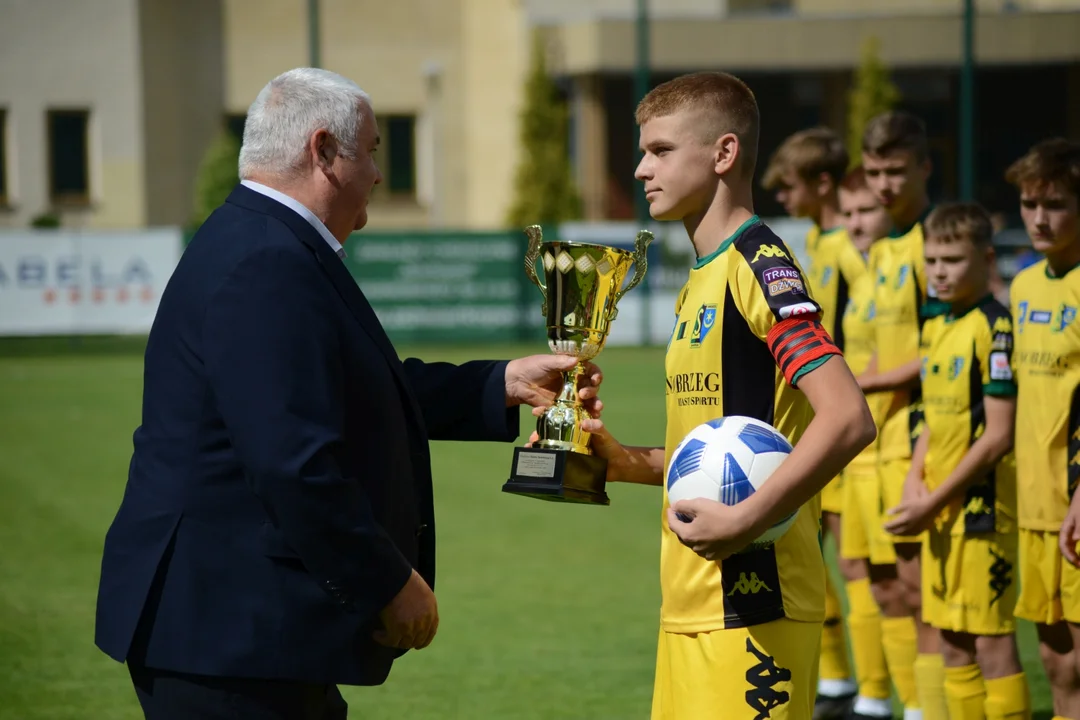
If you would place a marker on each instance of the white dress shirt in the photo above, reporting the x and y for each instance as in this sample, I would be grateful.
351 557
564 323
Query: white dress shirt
300 210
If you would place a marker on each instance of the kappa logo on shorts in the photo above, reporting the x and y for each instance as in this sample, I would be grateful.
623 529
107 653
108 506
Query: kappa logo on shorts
748 584
764 676
1000 576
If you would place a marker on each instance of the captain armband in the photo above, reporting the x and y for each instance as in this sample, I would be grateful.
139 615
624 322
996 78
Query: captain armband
796 342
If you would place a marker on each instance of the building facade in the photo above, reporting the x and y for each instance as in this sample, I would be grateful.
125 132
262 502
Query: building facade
107 107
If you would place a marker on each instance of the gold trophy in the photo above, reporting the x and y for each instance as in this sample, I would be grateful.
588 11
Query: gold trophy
582 286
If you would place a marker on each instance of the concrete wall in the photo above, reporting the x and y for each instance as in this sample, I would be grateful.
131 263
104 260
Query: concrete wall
73 54
183 91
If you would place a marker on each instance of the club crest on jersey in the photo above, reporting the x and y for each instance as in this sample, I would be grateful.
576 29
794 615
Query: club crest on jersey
769 251
956 366
826 276
1062 318
902 276
706 318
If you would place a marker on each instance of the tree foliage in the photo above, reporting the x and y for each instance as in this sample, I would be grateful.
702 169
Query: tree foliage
871 94
218 175
544 187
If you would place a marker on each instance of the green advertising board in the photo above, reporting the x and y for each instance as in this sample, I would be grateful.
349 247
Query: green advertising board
444 287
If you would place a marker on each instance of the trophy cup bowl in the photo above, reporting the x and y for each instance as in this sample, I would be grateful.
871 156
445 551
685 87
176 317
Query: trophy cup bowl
582 285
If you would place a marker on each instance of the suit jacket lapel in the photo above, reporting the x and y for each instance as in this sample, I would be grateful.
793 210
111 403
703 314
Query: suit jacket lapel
342 280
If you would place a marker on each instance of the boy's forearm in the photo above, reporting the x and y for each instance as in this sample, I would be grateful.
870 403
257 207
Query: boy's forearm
904 377
640 466
918 454
984 454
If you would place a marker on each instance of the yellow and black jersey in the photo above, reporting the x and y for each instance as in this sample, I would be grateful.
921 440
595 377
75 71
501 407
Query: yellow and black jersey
747 330
1047 365
860 343
835 265
966 358
899 272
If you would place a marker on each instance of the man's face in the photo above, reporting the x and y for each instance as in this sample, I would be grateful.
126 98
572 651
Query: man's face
357 176
678 169
864 217
1050 215
798 196
957 269
897 179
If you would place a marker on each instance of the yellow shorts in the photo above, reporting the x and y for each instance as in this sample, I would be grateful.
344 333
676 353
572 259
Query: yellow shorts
767 670
969 582
893 473
832 496
1049 585
861 535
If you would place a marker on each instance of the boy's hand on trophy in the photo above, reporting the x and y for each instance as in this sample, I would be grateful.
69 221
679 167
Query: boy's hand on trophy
537 381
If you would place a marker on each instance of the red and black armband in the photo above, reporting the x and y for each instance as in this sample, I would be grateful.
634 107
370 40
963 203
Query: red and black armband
799 341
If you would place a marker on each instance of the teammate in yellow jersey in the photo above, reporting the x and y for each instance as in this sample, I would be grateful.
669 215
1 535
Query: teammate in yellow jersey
805 173
740 631
863 543
896 159
1045 300
961 489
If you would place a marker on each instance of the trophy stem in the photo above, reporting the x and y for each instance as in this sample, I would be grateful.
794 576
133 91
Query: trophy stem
559 427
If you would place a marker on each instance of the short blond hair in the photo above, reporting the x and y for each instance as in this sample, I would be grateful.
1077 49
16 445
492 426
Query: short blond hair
809 153
728 104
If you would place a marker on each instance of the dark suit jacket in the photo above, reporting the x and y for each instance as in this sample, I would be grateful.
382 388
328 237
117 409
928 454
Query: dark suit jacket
279 493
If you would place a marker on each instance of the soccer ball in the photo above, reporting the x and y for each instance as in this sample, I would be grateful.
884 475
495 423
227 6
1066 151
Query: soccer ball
728 459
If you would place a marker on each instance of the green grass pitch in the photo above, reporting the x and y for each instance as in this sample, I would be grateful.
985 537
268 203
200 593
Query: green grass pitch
548 610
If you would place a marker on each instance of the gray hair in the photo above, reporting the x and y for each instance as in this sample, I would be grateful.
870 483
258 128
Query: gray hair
289 109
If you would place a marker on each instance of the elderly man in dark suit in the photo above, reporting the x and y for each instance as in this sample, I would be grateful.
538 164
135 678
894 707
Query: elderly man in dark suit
276 536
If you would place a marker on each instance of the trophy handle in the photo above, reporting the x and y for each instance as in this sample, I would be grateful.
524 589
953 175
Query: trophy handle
536 236
641 262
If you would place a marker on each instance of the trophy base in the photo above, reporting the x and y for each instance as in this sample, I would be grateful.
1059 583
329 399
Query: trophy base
558 476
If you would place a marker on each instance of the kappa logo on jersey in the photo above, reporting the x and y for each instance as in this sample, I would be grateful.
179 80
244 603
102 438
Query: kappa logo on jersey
769 251
748 584
922 369
1021 317
956 366
826 276
763 677
1001 325
706 318
1062 318
803 308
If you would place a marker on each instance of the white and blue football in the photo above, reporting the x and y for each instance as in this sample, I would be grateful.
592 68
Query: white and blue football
728 459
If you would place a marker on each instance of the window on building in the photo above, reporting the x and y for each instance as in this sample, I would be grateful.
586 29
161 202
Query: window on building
3 158
396 157
69 156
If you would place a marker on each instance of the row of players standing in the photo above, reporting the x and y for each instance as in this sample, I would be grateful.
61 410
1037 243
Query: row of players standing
959 518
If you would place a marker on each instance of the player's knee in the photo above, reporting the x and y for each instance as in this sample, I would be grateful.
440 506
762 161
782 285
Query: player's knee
1060 668
997 655
889 595
958 648
852 569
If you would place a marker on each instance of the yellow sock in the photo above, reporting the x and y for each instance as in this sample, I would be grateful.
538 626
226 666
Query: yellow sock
965 693
864 624
930 686
834 659
1007 698
898 642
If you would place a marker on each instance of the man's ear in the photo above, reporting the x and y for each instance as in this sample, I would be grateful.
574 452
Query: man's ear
322 148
